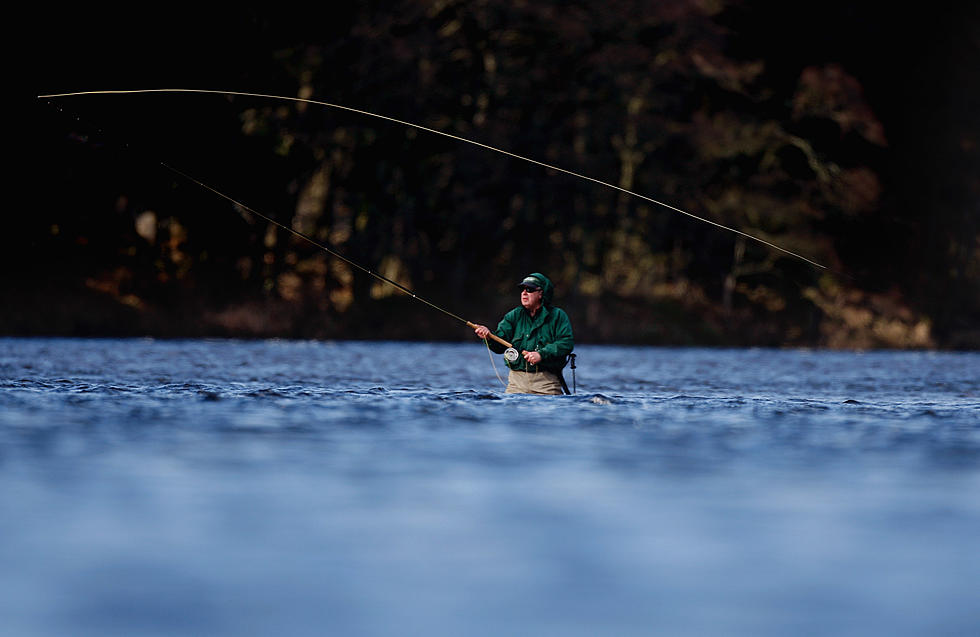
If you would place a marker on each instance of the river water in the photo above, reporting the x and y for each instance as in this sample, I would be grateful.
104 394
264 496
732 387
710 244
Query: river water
351 488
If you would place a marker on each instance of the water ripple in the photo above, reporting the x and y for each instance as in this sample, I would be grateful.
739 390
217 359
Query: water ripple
233 487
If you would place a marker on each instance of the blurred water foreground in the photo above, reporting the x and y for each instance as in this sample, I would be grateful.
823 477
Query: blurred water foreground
309 488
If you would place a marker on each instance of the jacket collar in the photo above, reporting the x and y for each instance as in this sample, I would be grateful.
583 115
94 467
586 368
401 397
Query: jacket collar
542 313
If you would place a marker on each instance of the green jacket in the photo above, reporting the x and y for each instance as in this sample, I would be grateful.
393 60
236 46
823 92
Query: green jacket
549 333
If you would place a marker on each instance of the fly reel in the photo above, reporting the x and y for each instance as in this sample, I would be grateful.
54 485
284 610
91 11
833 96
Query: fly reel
511 355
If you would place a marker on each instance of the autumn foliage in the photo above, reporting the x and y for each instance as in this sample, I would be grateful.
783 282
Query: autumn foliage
685 102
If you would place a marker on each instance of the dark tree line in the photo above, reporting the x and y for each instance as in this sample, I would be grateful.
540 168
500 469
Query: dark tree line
820 130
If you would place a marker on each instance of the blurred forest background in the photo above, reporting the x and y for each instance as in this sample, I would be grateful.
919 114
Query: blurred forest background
847 132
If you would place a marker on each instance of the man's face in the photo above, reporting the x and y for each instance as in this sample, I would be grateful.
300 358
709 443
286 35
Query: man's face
531 298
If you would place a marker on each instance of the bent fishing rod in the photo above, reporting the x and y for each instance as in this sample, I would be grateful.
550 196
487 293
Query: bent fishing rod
444 134
510 352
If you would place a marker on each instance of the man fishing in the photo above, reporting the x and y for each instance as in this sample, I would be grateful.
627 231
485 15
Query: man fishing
541 333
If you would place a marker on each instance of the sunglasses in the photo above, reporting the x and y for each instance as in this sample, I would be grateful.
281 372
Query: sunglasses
529 289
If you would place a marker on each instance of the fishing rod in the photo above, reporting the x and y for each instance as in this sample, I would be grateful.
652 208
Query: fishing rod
334 253
444 134
510 352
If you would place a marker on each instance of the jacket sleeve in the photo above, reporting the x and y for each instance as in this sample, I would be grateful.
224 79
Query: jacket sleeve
505 330
554 353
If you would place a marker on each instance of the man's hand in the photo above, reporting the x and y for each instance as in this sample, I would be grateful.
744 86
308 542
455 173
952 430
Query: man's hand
533 358
482 331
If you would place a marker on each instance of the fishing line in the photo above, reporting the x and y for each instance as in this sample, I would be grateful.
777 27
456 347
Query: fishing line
332 252
444 134
493 362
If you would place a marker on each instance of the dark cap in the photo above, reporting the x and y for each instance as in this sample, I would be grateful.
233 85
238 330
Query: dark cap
531 282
